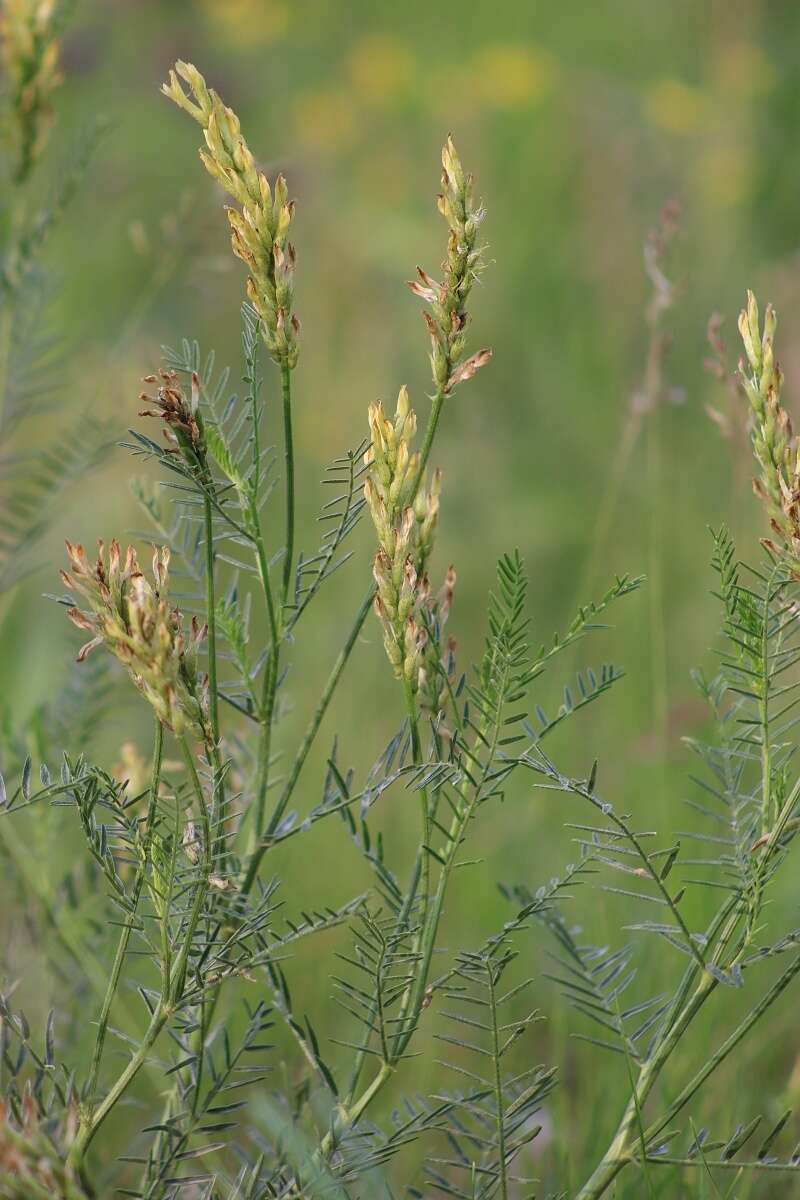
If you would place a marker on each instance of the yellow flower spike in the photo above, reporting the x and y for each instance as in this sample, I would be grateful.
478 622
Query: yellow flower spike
775 446
261 226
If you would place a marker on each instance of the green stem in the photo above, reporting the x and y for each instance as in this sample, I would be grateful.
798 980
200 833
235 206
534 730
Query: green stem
309 736
6 331
170 998
499 1098
286 392
620 1152
259 846
742 1029
125 935
87 1131
213 699
215 754
269 687
430 434
416 755
178 977
352 1114
415 996
763 707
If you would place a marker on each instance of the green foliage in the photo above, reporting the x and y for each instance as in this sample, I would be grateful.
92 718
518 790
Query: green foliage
192 920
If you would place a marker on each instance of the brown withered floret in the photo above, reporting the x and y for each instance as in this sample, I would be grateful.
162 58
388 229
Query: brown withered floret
171 405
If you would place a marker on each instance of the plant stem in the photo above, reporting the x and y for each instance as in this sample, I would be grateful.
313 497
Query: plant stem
269 686
215 754
88 1129
6 330
286 392
310 734
258 847
213 700
178 976
423 880
621 1152
353 1113
430 433
125 935
743 1028
763 712
499 1099
271 668
413 1000
171 995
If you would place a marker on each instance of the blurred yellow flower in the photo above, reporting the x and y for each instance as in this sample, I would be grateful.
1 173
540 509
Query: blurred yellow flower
132 768
324 119
675 106
724 175
244 22
513 76
381 67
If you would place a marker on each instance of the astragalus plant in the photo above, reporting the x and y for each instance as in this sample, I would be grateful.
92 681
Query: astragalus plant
238 1095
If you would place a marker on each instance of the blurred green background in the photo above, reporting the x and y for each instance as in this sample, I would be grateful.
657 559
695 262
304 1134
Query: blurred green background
580 122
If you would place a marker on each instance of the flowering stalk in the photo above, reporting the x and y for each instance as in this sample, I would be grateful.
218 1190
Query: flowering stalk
405 514
448 318
29 50
260 225
405 519
777 452
135 621
259 236
776 448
